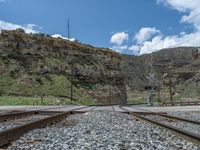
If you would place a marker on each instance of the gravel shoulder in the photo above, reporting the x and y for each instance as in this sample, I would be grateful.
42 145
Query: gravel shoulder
102 130
188 115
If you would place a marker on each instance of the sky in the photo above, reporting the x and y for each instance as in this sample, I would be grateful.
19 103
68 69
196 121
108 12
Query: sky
126 26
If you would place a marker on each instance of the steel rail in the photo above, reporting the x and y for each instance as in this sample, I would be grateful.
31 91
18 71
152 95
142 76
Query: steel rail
8 135
7 116
165 115
178 118
193 137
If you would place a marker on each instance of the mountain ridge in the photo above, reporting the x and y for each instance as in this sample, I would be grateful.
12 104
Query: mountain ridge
37 64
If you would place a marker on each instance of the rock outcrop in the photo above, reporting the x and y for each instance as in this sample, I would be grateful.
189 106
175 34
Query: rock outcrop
35 64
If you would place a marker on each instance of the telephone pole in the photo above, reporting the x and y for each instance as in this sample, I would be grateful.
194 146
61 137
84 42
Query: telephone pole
170 81
72 80
110 78
109 100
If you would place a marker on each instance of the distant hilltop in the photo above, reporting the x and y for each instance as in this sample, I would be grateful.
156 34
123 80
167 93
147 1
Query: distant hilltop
184 65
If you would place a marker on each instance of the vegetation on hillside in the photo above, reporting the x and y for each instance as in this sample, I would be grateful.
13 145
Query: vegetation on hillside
179 61
39 65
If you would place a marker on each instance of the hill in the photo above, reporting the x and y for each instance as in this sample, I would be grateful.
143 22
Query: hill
179 61
37 64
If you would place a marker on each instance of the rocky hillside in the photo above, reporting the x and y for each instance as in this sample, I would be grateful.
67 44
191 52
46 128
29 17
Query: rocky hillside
181 61
36 64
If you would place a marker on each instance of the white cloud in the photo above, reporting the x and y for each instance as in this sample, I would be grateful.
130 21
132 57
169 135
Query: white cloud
119 48
135 49
119 38
62 37
159 42
190 7
180 5
147 43
145 33
28 28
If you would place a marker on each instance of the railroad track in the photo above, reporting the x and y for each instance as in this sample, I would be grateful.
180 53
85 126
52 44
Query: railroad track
15 115
170 123
12 129
42 117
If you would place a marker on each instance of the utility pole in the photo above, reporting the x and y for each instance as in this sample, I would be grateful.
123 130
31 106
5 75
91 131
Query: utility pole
110 78
170 81
72 80
109 100
158 85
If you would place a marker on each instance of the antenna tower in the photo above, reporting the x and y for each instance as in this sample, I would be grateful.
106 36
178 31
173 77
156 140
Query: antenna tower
68 29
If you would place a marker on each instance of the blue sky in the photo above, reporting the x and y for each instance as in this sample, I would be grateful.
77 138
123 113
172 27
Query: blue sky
127 26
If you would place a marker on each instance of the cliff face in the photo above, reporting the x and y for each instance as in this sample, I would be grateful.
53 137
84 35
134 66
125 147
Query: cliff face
137 68
38 64
185 65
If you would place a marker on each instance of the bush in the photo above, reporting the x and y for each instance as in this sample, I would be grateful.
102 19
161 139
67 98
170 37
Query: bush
14 72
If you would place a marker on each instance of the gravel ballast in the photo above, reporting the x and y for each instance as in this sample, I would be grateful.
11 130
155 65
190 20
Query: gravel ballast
191 127
187 115
101 130
20 121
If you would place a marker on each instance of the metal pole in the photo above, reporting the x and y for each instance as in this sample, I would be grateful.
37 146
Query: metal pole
170 88
109 98
170 82
170 91
109 94
72 78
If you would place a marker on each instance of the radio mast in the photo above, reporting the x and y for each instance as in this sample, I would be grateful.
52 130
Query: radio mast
68 29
